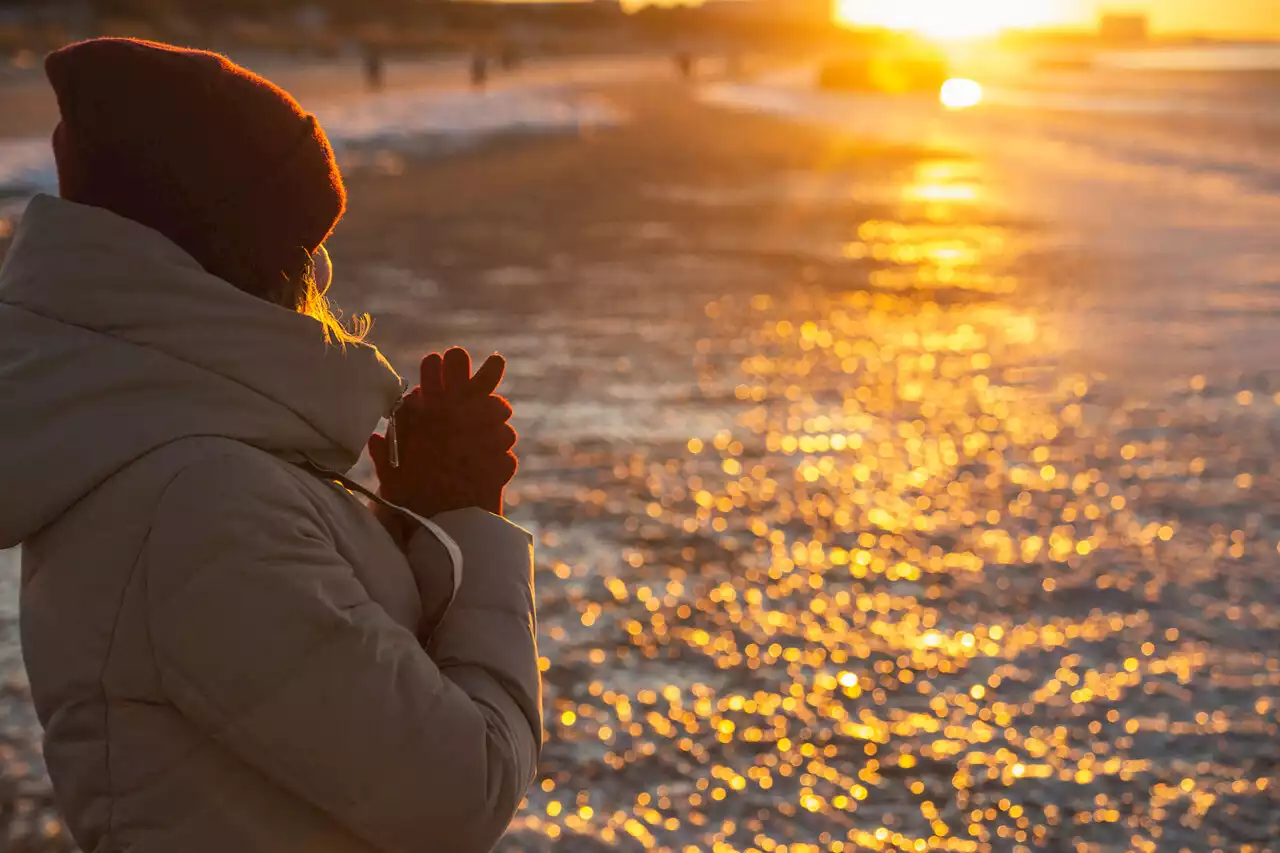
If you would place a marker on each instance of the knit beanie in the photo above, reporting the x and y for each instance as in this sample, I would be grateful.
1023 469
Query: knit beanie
219 160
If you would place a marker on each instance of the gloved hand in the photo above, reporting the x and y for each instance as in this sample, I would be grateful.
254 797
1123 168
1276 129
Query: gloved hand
453 439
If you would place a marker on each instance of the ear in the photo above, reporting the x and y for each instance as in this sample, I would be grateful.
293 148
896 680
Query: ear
323 266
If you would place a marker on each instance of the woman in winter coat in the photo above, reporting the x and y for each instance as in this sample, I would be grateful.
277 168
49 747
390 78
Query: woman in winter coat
227 649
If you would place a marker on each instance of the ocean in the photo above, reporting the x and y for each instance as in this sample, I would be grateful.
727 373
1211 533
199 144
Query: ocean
1162 164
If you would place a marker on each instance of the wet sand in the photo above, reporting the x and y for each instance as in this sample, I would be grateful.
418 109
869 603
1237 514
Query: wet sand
841 547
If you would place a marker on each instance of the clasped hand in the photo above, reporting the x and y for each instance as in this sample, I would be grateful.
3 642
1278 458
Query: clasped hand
453 436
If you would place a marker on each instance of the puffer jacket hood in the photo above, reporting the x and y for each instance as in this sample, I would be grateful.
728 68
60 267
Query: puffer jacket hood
109 330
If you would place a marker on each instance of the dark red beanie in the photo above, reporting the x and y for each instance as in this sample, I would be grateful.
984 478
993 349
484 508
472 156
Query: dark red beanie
219 160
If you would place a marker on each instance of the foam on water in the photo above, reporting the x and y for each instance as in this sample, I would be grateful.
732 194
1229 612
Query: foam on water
10 652
394 119
26 167
401 116
8 584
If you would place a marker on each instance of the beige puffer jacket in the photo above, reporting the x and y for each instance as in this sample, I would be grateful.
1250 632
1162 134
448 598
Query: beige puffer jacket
223 648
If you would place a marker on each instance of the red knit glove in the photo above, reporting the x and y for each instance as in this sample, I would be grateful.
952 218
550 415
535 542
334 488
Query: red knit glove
454 440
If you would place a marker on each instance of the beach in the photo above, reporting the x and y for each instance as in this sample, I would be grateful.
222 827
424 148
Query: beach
890 493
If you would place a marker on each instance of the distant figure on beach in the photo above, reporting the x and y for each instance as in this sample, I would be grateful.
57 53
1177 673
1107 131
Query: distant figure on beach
228 648
686 65
479 70
374 67
509 58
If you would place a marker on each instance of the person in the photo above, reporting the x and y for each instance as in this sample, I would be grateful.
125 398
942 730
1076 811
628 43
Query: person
686 65
226 648
509 57
374 66
479 70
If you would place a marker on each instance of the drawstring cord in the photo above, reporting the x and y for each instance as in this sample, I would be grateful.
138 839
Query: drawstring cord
450 546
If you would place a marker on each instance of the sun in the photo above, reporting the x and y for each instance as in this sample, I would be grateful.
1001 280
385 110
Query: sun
953 19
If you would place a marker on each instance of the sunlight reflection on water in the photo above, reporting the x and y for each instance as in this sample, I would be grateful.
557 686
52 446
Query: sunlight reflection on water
924 590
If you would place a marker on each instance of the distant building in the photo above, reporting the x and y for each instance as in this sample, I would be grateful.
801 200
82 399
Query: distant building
1119 28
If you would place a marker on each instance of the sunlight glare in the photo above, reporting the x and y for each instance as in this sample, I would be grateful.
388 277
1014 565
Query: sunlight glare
953 19
959 93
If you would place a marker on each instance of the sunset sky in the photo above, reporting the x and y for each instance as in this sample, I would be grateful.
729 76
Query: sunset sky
945 17
1223 17
1242 17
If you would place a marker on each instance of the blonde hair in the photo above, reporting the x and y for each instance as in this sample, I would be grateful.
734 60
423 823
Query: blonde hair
313 303
300 292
